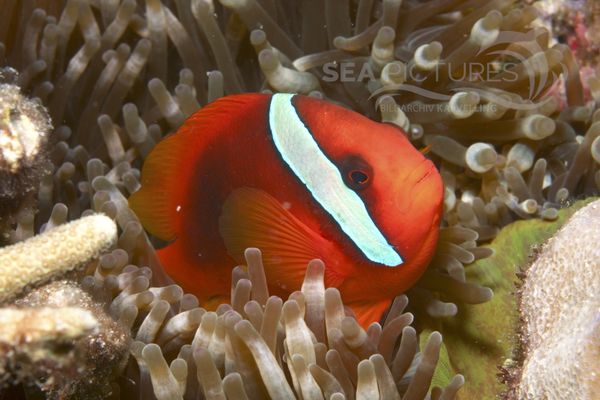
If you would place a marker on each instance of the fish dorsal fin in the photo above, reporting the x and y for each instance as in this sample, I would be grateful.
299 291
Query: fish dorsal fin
169 167
253 218
154 203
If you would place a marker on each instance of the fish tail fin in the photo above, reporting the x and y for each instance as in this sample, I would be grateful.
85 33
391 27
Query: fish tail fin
369 312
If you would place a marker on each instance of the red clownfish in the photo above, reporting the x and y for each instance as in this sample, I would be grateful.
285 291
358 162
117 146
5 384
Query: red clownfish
299 178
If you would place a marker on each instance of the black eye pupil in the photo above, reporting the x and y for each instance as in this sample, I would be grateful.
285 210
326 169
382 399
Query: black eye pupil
359 177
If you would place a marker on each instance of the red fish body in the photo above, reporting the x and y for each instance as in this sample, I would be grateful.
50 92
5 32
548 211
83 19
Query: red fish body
299 178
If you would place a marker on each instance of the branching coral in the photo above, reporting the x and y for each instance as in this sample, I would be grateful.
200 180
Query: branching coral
53 253
57 333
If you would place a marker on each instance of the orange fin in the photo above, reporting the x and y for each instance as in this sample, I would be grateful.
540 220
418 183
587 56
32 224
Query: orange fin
368 312
253 218
170 165
153 203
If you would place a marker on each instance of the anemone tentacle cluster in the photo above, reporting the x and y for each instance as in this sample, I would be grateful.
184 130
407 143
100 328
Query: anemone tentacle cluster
116 76
261 346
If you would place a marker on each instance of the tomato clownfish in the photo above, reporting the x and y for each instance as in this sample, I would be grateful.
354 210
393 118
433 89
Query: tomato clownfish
299 178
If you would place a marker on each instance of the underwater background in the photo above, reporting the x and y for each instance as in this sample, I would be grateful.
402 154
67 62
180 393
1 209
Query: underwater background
501 95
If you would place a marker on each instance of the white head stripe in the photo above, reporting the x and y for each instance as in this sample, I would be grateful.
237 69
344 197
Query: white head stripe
302 154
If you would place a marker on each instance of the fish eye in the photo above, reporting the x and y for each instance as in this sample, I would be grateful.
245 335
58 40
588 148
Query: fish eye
357 173
358 177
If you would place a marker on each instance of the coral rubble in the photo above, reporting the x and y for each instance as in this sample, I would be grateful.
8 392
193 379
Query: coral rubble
36 340
98 356
24 130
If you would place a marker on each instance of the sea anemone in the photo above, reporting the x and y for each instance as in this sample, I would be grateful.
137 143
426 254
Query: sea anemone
260 346
116 76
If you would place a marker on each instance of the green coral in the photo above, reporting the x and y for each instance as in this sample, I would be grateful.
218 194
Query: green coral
482 338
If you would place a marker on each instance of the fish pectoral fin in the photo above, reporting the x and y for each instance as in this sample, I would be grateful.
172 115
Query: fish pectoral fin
332 277
367 312
253 218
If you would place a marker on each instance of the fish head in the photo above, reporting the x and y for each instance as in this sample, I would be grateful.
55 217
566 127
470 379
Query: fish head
400 190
